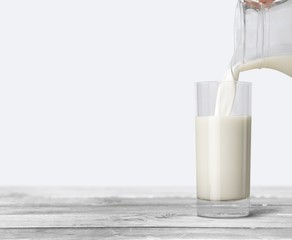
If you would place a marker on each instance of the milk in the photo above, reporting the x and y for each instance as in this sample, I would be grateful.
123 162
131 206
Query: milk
223 140
223 157
226 92
279 63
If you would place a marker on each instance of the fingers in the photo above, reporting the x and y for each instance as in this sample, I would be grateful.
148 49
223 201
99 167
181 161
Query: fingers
258 4
266 1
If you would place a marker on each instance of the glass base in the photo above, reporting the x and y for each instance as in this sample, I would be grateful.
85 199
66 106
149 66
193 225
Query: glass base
223 209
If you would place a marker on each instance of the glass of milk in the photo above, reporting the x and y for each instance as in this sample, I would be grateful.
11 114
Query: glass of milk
223 151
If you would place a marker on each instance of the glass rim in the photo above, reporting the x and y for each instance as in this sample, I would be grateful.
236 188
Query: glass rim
224 82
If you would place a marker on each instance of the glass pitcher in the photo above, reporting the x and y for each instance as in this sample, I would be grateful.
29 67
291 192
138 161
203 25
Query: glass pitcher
263 36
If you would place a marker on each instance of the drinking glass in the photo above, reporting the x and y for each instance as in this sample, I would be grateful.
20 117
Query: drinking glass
223 152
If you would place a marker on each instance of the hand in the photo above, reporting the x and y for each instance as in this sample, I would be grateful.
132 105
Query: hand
259 4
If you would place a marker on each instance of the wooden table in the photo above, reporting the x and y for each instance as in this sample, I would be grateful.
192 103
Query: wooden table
135 213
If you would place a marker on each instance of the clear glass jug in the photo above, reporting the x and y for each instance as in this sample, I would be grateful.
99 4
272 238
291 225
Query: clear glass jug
263 36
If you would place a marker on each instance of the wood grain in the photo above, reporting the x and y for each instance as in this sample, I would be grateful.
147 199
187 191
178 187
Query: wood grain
143 233
135 213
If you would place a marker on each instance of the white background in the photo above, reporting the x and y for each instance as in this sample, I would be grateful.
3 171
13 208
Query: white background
102 92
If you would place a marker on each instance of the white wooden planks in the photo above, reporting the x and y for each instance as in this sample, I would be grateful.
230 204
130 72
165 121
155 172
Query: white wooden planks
135 213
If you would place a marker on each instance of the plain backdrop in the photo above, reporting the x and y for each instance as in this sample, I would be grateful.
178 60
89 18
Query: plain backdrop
102 92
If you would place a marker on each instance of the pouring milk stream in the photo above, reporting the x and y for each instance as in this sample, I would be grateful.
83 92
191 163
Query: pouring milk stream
226 92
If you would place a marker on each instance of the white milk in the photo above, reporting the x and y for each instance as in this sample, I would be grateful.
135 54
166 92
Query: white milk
223 157
223 141
226 92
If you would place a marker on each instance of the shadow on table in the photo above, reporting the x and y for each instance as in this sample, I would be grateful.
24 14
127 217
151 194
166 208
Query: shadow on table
257 211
